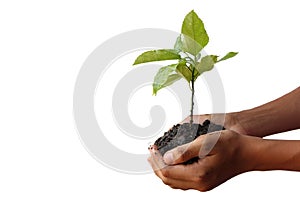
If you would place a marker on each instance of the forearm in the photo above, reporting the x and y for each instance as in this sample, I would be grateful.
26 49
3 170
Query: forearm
275 155
282 114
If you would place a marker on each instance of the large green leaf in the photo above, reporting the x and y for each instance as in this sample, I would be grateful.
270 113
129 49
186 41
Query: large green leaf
165 77
228 55
183 70
195 36
206 63
157 55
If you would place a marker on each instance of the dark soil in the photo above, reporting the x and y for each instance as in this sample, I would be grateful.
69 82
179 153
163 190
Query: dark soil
184 133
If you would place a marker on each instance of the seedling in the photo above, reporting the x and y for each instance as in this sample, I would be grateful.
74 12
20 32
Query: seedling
188 53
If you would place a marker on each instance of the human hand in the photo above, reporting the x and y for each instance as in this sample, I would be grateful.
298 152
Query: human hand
229 120
230 156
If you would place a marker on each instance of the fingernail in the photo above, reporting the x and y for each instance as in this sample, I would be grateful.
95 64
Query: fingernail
168 158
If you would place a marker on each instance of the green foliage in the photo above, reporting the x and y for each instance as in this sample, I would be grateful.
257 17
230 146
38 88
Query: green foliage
157 55
165 77
183 70
206 64
190 42
187 51
195 36
228 55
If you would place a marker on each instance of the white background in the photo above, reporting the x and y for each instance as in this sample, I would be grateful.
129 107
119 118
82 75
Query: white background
42 47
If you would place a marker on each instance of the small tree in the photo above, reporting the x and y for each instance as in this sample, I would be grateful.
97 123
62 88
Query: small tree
187 51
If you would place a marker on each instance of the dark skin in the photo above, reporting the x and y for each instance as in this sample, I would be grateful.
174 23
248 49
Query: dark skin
240 148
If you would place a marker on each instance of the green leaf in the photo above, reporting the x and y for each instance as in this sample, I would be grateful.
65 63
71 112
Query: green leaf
172 79
165 77
178 44
183 70
195 36
228 55
157 55
206 63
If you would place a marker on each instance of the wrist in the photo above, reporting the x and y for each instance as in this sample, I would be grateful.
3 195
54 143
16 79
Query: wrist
263 154
244 119
236 121
257 121
277 116
250 151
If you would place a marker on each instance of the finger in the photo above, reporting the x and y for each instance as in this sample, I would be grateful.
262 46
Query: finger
191 172
155 168
184 152
178 184
197 119
173 183
173 176
208 144
156 159
180 172
218 118
153 160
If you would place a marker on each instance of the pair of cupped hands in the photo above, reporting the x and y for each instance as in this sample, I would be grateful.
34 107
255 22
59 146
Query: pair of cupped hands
228 155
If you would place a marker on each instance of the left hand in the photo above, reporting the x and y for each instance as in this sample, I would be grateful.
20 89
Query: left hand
230 156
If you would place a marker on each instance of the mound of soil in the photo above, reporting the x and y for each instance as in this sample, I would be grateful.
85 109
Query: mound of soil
181 134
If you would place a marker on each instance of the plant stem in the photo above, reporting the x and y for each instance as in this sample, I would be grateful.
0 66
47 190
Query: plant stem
192 98
193 89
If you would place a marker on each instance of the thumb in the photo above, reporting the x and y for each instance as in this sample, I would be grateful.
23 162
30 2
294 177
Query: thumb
183 153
